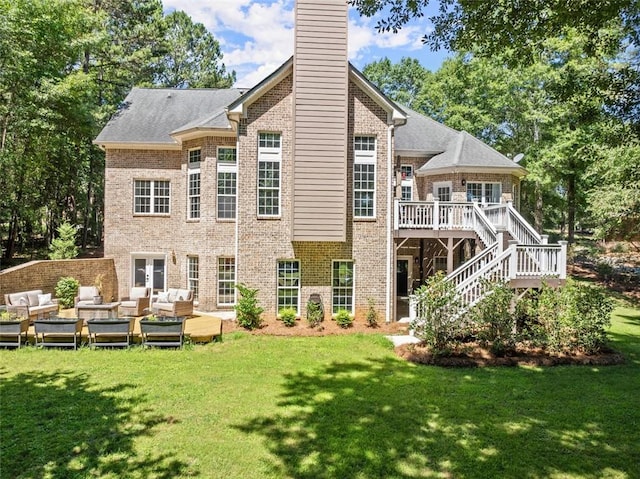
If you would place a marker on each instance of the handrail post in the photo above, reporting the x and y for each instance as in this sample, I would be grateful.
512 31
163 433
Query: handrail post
513 259
396 214
436 215
562 261
545 239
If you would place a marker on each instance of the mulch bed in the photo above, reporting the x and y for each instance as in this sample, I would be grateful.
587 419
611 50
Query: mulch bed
473 355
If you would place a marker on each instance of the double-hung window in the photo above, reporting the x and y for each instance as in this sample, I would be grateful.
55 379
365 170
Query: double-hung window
226 281
289 285
364 177
269 167
484 192
151 197
342 286
407 182
193 275
193 187
227 183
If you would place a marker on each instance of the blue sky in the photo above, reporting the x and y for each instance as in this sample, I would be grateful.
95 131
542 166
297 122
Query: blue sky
256 36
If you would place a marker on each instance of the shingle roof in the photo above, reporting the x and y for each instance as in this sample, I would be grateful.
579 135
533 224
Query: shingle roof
150 115
422 135
468 152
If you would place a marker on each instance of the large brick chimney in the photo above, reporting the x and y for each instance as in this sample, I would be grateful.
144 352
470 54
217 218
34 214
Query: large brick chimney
320 111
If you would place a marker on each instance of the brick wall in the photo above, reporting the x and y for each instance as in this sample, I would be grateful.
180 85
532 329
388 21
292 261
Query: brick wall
262 242
45 274
172 237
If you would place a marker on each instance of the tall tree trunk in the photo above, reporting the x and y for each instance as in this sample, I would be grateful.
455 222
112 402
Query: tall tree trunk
571 207
538 214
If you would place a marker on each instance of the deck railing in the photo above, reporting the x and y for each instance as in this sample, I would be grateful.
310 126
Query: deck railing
506 216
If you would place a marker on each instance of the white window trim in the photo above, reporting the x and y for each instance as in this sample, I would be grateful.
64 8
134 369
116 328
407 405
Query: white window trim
274 155
278 287
353 283
192 172
152 197
218 281
483 189
195 164
193 279
442 184
226 167
366 157
407 182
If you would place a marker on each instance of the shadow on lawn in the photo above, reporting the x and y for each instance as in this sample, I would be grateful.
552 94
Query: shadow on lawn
60 425
382 418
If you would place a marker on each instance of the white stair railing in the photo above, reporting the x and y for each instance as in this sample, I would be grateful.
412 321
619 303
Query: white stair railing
506 216
473 265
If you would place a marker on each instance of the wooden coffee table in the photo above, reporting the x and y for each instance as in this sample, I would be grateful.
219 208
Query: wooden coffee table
104 310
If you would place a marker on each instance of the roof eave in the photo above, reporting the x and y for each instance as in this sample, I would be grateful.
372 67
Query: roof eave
517 171
137 145
395 115
200 131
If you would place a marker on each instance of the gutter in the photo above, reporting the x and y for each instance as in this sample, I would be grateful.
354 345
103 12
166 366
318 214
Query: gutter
388 308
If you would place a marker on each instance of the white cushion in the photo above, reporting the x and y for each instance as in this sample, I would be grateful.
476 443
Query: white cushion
173 294
86 293
163 297
182 294
44 299
137 292
23 301
33 297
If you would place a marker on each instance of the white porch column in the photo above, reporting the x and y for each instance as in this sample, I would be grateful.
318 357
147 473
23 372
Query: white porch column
449 255
436 215
513 259
562 261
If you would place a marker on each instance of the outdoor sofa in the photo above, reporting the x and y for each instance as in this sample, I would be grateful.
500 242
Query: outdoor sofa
173 302
31 304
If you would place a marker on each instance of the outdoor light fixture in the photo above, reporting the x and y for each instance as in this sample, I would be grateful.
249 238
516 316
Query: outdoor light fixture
464 182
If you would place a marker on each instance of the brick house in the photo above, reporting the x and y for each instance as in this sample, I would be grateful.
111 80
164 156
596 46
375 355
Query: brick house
312 182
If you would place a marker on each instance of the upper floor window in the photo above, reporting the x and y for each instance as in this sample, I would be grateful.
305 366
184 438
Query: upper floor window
227 183
269 166
151 197
193 184
364 177
484 192
194 157
407 182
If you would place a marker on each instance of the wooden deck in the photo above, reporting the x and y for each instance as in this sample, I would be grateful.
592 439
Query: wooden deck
200 328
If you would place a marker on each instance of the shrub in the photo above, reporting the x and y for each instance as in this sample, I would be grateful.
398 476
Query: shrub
315 313
344 318
495 319
288 316
372 314
66 291
438 310
247 310
584 315
64 246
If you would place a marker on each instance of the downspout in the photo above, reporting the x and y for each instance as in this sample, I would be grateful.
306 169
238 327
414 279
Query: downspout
236 246
390 196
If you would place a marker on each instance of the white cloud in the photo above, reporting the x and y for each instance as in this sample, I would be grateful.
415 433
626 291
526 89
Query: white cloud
256 36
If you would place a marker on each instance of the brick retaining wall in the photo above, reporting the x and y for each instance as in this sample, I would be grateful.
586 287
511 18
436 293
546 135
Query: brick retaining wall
45 274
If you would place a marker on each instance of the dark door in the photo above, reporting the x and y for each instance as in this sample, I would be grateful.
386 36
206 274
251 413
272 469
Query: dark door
402 277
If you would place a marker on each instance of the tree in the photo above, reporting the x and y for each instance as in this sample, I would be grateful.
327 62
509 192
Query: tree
192 57
64 246
402 81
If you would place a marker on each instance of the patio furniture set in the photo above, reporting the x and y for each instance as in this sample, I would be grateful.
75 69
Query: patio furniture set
164 327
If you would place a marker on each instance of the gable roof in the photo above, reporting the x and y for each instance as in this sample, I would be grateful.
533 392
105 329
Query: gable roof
469 154
155 117
238 108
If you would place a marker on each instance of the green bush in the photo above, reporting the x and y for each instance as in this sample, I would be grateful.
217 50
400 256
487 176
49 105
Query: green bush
494 318
66 291
248 313
372 314
438 322
315 314
64 246
288 316
344 318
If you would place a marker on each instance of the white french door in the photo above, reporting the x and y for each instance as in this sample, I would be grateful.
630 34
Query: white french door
149 271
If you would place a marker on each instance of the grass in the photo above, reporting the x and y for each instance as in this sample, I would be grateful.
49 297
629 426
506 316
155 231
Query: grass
330 407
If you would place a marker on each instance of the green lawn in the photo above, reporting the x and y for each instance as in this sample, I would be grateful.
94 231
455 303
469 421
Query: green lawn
333 407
